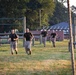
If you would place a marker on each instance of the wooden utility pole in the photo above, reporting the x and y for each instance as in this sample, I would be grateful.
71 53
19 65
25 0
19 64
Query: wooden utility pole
71 38
40 16
24 24
40 25
24 28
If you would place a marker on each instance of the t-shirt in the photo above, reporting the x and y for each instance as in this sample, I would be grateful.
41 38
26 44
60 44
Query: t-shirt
13 36
53 35
44 33
28 36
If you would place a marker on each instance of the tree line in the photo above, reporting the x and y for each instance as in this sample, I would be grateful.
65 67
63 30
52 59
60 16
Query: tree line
48 11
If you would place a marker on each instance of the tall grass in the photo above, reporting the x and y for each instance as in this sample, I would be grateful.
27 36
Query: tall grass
43 61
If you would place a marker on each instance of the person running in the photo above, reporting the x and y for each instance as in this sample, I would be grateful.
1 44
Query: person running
13 37
53 38
28 36
44 36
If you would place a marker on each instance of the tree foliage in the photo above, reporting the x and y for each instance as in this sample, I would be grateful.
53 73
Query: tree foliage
60 14
28 8
12 8
51 12
34 7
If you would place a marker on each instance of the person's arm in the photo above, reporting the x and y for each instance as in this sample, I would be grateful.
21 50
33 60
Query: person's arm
9 39
46 33
16 37
24 36
56 35
32 36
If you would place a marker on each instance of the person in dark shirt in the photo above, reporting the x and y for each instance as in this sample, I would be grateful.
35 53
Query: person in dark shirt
13 41
53 38
28 36
44 36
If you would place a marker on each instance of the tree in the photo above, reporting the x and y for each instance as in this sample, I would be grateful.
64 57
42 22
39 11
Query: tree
12 9
33 8
28 8
60 14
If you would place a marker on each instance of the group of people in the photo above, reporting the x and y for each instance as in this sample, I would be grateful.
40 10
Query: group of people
52 37
13 39
28 36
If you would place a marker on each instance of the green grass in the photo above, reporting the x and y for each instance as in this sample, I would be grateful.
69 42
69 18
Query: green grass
43 61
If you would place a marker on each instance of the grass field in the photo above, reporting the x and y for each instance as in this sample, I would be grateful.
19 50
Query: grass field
43 61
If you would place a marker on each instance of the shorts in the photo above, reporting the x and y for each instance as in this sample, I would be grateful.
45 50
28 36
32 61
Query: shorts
28 45
44 39
13 45
53 39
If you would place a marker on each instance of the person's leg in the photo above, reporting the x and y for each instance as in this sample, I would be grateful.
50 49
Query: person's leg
29 47
26 47
45 41
11 46
28 51
42 40
53 41
15 47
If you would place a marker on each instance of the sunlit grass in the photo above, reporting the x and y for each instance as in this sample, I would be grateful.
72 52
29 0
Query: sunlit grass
43 61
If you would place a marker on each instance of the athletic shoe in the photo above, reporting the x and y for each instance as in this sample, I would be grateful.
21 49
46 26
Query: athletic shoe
29 52
16 52
12 53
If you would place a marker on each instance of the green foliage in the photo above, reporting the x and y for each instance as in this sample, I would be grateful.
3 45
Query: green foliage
28 8
34 7
51 12
60 14
12 8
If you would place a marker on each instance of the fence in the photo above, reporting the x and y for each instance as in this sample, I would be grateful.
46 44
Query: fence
4 36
